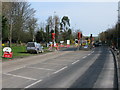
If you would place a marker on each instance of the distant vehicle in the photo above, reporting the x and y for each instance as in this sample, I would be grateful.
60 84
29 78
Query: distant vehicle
34 47
96 44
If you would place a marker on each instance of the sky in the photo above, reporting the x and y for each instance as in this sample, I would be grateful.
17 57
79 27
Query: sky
89 17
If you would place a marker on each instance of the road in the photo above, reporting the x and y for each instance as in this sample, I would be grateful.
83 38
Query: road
62 69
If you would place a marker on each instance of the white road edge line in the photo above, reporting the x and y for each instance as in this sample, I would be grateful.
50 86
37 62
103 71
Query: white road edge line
84 57
19 76
75 61
41 68
60 69
33 84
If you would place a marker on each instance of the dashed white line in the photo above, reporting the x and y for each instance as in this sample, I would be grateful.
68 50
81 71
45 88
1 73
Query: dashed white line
19 76
84 57
19 68
75 61
33 84
60 69
41 68
89 54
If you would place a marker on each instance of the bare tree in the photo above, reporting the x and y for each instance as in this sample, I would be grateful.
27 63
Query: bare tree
19 15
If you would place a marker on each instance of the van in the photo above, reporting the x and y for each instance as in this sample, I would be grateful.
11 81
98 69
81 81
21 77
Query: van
34 47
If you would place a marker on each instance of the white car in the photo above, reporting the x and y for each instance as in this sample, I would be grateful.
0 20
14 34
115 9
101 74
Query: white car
34 47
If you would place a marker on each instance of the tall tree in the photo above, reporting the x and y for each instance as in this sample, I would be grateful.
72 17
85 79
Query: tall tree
18 15
31 27
64 27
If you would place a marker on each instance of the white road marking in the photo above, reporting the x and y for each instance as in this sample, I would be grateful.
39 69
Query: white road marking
84 57
19 76
89 54
60 69
41 68
19 68
33 84
75 61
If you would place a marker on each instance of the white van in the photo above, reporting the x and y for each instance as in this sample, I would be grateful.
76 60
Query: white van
34 47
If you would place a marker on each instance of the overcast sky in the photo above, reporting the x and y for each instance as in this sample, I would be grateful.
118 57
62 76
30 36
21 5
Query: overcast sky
89 17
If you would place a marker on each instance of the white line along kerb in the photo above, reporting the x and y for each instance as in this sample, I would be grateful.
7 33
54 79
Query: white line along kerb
75 61
60 69
33 84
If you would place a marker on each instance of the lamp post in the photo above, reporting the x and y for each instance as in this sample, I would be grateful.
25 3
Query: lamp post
118 23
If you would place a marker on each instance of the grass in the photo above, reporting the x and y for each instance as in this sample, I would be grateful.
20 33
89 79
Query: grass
20 52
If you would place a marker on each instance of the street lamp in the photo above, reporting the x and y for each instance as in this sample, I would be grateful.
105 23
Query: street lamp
118 24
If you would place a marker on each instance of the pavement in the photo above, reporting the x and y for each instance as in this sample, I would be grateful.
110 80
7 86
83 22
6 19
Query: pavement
62 69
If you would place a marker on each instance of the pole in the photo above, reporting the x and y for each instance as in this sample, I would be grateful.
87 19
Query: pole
117 36
90 41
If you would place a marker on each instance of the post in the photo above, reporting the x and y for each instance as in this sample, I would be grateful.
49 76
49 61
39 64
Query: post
53 38
90 41
117 36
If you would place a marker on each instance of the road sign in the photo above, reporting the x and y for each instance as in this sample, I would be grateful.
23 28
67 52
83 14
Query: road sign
7 52
8 55
68 42
7 49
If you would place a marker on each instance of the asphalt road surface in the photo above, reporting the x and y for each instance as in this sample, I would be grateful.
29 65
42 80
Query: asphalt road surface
62 69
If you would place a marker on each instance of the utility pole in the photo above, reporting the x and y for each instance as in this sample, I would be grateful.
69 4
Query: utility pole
118 24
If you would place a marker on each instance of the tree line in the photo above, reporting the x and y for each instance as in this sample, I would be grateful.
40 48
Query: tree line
19 25
111 36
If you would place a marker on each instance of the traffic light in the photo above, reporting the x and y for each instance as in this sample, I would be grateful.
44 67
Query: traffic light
91 36
76 41
79 35
53 36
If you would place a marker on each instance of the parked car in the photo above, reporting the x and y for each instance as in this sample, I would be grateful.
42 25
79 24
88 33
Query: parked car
34 47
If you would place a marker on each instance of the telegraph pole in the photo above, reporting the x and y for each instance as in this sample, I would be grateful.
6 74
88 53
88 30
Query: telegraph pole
118 24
